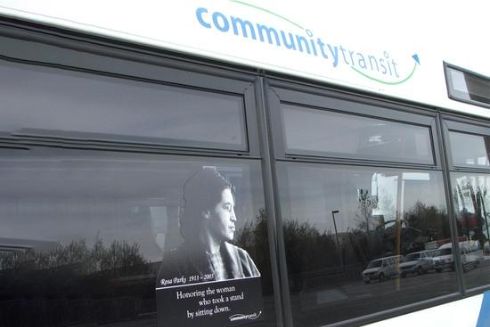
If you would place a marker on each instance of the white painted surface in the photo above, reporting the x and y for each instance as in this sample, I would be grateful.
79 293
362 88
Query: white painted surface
462 313
452 31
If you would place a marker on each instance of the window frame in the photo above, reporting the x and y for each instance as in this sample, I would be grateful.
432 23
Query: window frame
455 94
26 47
92 54
451 124
280 92
457 123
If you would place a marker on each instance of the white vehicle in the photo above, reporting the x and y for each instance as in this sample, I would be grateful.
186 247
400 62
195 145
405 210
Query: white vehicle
470 251
471 254
418 263
382 269
444 258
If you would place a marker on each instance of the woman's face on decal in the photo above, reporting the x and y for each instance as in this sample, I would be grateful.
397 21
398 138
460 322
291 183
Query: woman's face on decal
222 217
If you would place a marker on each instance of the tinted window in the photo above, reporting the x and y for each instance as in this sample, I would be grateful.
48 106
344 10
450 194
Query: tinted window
322 132
469 150
40 101
467 86
84 233
340 221
472 202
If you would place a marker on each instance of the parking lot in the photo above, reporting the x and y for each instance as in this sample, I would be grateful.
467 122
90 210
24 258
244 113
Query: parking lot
335 302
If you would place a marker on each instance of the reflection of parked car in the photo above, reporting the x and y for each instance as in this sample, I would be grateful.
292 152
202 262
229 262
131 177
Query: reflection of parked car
471 254
470 251
444 258
417 263
381 269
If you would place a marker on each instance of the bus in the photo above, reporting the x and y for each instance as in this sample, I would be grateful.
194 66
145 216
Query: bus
244 163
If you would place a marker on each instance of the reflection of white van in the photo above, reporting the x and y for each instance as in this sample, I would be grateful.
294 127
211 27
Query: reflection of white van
471 254
470 251
382 269
443 259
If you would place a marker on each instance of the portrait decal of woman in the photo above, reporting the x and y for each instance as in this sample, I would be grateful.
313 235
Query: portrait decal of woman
208 225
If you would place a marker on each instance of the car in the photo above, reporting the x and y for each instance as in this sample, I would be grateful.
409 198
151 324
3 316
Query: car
471 254
443 259
382 269
417 263
470 251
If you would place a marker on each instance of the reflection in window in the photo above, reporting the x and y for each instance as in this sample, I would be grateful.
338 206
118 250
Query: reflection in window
83 233
320 132
467 86
469 150
76 105
472 204
348 232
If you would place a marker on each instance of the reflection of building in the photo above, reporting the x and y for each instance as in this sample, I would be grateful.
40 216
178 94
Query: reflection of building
10 246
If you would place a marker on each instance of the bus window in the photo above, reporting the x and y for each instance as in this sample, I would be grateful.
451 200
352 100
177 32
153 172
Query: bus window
472 202
347 231
469 150
319 132
86 234
53 103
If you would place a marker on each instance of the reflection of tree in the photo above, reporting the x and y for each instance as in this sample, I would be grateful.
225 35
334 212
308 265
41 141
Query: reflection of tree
75 284
420 224
305 248
428 224
366 205
308 252
253 238
472 224
120 258
365 246
313 257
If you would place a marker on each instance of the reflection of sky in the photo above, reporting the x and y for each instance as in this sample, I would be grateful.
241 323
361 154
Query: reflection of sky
310 193
323 131
79 102
85 195
467 149
459 82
